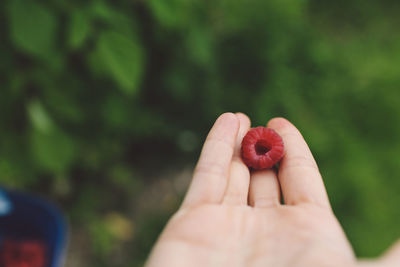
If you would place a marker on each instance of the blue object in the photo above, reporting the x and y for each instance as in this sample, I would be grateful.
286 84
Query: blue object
26 217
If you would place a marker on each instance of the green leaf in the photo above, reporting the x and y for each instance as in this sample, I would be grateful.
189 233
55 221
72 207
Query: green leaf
53 151
123 59
115 19
101 9
170 13
78 29
39 117
32 27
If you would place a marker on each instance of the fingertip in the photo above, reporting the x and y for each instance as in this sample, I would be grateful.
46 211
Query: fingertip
279 123
225 127
244 119
227 121
283 126
228 117
230 114
241 114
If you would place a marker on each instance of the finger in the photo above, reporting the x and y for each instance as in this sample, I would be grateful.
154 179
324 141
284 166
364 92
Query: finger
264 189
238 183
298 175
210 175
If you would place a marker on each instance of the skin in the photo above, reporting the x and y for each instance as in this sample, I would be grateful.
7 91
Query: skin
233 217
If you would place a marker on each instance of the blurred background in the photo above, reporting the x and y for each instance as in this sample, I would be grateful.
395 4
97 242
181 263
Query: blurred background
104 106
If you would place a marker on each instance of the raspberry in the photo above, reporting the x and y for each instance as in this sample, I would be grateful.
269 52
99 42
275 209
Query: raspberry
262 148
23 253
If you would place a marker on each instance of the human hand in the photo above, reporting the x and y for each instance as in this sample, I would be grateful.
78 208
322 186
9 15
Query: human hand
231 217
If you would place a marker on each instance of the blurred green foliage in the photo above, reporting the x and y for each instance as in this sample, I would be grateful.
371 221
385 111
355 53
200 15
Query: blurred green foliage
96 93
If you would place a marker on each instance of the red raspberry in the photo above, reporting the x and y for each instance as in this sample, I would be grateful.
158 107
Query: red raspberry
23 254
262 148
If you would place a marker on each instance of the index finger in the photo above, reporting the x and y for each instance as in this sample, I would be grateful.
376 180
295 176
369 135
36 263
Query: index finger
211 173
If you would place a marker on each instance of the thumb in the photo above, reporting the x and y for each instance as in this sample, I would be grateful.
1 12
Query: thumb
391 258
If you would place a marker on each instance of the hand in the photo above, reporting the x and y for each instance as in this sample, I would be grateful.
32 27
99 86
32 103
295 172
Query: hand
231 217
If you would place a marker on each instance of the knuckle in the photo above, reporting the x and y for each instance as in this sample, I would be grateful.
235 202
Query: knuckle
210 168
220 141
301 162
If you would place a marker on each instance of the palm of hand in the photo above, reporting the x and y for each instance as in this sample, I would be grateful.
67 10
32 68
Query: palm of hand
228 219
223 235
